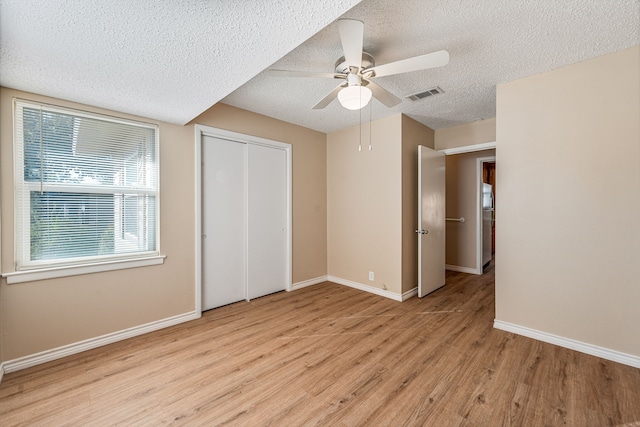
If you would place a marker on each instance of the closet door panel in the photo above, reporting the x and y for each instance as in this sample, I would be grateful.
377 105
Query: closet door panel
224 208
267 220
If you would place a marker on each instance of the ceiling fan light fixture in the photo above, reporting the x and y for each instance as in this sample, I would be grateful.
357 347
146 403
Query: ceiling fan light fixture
354 97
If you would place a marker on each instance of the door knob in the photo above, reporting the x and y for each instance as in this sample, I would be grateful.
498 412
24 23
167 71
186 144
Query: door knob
422 231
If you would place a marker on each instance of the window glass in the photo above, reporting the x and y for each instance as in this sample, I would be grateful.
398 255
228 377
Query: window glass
86 187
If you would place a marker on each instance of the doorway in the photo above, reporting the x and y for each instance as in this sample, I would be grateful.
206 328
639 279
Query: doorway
485 240
464 184
489 177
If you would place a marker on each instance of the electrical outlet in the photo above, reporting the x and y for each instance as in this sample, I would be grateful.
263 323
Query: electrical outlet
371 276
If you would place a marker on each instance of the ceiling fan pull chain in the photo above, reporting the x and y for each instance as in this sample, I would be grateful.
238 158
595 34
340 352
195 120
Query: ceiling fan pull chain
370 107
360 111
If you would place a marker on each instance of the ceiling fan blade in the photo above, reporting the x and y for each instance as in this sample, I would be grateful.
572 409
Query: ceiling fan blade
327 99
291 73
383 95
351 36
422 62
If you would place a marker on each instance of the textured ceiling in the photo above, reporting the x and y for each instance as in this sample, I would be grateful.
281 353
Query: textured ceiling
171 60
490 42
163 59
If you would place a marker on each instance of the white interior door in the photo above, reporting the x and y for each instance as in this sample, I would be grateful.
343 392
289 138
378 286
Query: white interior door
224 210
431 220
267 221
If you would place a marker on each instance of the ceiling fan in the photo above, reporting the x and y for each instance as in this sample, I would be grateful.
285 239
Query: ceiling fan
357 68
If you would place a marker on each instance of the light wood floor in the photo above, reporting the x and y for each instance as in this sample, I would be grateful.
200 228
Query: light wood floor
332 356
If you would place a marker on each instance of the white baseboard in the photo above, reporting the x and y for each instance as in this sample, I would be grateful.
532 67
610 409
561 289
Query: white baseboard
410 294
366 288
309 282
67 350
462 269
1 371
593 350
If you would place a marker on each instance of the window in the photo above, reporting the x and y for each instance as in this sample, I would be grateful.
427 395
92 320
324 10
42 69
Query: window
86 187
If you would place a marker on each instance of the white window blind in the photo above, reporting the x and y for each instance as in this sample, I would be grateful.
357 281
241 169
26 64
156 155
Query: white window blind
86 187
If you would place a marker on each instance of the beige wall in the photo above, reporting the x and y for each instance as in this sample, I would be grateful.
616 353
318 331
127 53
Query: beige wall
462 200
43 315
46 314
413 134
468 134
309 156
364 208
372 202
568 235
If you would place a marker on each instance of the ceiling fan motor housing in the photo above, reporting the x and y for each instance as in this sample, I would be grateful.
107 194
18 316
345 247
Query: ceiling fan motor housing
367 62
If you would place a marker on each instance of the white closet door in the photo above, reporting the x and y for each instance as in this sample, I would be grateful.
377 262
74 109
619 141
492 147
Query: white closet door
267 220
224 208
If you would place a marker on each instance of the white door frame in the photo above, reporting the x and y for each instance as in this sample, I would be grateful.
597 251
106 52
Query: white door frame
200 131
480 161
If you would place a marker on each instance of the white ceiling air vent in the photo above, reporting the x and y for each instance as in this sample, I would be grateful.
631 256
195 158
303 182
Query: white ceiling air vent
424 94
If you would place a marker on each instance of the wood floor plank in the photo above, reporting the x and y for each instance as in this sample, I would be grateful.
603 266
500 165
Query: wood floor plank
330 355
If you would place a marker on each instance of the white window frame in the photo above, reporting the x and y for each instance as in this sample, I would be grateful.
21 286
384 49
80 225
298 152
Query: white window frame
39 270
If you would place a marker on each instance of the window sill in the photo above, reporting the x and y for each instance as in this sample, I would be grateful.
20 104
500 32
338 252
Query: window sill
74 270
